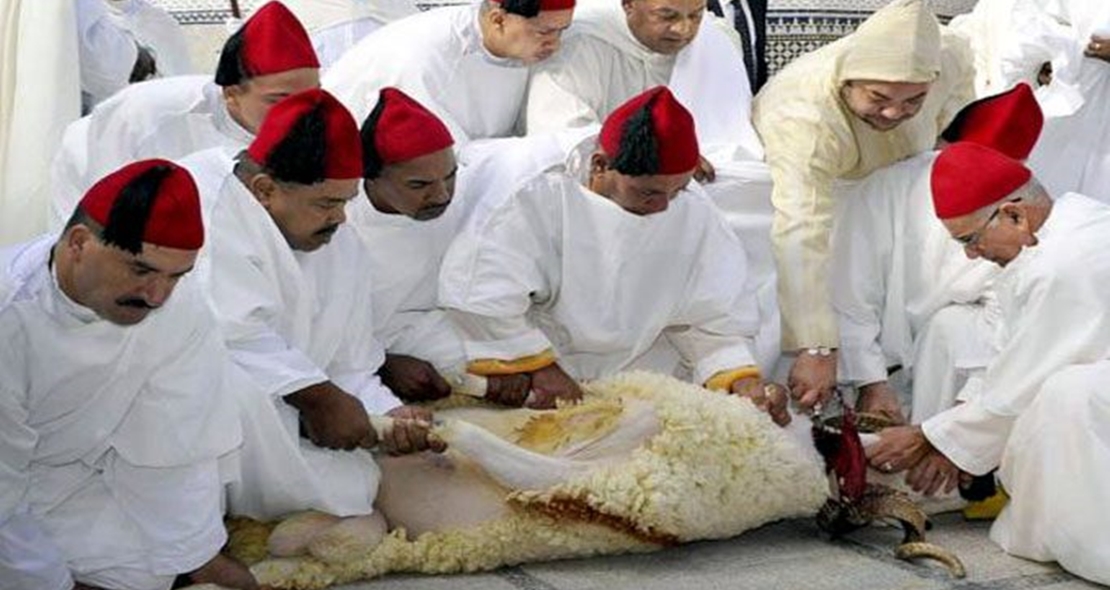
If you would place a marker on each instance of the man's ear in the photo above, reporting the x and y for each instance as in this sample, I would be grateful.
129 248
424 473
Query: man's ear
599 162
627 6
78 239
496 16
264 189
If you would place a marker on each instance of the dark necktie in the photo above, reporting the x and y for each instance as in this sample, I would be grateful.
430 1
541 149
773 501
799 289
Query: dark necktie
740 22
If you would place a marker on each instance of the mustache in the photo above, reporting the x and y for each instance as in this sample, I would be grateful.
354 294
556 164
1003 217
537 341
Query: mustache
431 212
135 302
326 230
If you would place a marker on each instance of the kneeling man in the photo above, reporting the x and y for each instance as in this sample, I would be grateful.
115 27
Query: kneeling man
1042 412
584 270
291 291
115 416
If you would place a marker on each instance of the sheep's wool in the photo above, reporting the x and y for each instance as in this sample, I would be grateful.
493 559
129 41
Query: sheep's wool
716 468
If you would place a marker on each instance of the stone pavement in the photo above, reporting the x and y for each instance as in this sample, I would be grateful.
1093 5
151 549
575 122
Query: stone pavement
789 555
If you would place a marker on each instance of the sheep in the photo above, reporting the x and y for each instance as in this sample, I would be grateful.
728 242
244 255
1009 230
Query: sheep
645 461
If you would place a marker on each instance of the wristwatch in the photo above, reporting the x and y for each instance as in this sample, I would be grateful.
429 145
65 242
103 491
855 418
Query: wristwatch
819 351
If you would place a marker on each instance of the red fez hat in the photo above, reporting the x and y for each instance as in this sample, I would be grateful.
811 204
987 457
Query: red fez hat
342 148
1009 122
169 216
967 177
546 5
671 125
275 41
405 129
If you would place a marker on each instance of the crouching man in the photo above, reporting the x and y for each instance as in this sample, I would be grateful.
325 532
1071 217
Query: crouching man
115 410
1041 414
608 264
292 293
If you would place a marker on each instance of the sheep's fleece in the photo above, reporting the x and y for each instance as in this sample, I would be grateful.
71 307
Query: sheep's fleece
710 466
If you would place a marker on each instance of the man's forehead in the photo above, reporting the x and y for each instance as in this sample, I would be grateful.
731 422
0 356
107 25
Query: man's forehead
675 5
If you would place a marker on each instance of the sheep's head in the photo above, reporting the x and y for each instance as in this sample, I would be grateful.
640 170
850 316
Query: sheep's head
838 441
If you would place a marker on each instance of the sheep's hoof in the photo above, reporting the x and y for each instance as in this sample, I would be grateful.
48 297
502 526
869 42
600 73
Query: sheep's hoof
292 537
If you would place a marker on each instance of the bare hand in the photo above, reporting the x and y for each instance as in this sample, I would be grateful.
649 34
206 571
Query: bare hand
705 172
508 390
413 379
410 431
880 398
812 379
770 398
1098 48
332 418
226 572
898 449
932 473
551 383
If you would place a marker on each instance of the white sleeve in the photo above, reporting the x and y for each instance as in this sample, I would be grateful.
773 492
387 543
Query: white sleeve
107 51
29 559
561 90
493 274
716 326
970 435
861 260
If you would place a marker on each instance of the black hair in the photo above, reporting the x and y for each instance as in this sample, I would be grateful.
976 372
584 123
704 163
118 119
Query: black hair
230 70
130 213
301 155
371 160
638 151
525 8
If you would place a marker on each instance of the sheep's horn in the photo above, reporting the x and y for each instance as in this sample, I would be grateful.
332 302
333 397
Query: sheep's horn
924 550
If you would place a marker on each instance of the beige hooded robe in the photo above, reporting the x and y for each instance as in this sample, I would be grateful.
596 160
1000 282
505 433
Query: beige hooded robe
811 139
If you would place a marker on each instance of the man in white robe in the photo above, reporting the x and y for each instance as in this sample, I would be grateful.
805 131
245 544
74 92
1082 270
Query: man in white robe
467 64
582 271
270 57
126 41
1073 36
290 286
863 102
116 427
1041 411
337 25
904 291
616 50
408 218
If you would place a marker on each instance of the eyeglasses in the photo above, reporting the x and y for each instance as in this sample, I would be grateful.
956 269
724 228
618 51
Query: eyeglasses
971 239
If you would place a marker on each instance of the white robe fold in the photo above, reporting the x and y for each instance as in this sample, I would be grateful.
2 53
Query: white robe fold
113 436
1054 315
168 118
291 319
40 93
894 266
1073 153
1054 468
404 256
559 267
437 58
337 25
